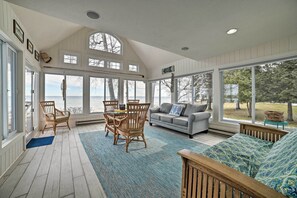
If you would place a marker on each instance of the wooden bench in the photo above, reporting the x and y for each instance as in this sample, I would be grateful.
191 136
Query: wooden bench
205 177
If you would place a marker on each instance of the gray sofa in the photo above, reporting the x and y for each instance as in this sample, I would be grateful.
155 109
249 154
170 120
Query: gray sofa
193 119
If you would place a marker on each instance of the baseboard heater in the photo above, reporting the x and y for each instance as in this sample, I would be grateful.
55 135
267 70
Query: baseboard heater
228 133
93 121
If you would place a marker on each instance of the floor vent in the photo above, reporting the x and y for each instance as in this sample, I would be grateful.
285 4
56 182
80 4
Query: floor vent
84 122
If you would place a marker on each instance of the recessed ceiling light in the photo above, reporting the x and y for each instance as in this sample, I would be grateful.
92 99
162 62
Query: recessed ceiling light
232 31
185 48
93 15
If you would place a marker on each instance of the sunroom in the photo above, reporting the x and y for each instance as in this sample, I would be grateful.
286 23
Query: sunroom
237 61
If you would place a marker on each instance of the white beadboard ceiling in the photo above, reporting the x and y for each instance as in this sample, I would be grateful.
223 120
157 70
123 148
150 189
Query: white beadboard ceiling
200 25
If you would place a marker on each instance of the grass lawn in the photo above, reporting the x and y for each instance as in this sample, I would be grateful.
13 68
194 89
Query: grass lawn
242 114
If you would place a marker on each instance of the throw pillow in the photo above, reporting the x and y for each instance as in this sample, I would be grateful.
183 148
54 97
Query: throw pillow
194 109
165 107
176 109
279 169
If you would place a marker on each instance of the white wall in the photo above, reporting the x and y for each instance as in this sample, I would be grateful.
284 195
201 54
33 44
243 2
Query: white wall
78 43
14 146
274 50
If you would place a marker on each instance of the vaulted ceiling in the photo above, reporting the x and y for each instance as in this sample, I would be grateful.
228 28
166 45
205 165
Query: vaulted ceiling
170 25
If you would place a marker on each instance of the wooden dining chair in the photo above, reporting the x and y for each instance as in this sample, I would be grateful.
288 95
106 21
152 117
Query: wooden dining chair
109 105
53 116
132 125
133 101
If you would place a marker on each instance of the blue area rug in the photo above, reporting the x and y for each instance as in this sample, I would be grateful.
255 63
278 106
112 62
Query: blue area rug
154 171
43 141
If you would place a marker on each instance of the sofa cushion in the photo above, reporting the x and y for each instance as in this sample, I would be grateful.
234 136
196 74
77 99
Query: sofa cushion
194 108
241 152
176 109
279 169
165 107
157 115
167 118
182 121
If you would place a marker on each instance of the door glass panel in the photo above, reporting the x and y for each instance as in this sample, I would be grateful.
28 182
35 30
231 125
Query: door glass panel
74 94
52 89
96 94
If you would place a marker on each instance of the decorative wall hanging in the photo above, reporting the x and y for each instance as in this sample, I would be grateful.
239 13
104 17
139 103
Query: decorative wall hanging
168 69
172 83
36 55
45 57
30 47
17 30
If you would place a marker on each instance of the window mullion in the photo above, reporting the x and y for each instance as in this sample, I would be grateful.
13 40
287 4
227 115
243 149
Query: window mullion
253 95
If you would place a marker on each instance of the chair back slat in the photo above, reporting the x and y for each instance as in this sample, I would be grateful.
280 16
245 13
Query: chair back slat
48 106
110 104
137 115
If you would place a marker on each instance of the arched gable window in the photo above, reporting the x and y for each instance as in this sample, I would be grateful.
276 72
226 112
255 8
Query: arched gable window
105 42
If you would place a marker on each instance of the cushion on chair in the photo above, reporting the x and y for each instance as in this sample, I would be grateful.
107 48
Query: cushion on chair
194 108
165 107
176 109
167 118
59 118
182 121
241 152
279 169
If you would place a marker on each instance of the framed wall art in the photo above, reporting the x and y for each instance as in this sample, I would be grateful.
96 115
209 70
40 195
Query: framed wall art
36 55
17 30
30 46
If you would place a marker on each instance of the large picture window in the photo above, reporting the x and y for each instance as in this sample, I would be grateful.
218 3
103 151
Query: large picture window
237 86
102 89
134 89
274 90
67 96
184 89
203 90
161 92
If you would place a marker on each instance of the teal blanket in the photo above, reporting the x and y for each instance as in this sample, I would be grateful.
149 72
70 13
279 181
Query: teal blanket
241 152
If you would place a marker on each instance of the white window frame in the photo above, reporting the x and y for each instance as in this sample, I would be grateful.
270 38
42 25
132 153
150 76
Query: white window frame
94 66
119 40
107 64
133 65
71 58
4 97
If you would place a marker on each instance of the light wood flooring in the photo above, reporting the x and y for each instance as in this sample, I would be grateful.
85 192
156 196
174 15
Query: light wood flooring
62 169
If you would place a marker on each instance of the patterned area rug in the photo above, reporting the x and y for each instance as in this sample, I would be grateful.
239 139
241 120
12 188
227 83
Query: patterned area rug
154 171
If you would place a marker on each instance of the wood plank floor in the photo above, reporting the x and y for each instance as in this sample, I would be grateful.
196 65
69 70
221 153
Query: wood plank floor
63 168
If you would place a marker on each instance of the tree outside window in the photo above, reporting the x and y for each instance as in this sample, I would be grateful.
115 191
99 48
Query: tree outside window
105 42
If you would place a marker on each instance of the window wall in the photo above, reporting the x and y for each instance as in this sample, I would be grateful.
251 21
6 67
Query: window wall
203 89
270 86
184 89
